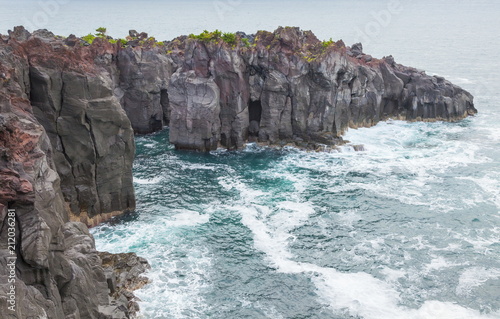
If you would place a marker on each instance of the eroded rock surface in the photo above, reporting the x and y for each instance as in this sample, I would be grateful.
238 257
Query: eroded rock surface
62 134
69 109
289 86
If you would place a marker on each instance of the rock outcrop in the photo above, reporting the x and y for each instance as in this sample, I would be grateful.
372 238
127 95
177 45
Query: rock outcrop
142 89
66 150
69 108
215 90
289 86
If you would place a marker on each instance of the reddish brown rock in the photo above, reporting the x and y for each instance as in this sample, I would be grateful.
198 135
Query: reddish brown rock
57 269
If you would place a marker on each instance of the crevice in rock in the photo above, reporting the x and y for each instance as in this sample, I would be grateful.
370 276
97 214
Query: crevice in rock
165 105
254 117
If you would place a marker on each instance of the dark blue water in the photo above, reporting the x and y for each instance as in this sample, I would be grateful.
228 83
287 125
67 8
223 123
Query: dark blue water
407 229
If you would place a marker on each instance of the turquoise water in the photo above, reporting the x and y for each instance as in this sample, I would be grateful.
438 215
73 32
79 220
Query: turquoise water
408 228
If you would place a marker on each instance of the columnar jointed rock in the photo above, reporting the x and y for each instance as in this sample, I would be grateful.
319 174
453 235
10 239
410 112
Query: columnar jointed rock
72 93
288 86
144 76
66 143
270 87
58 273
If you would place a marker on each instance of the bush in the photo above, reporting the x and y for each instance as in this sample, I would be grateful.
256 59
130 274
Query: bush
229 38
101 32
245 42
207 36
328 43
89 38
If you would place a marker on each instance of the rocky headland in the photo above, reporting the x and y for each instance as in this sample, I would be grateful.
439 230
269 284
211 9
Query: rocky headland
69 108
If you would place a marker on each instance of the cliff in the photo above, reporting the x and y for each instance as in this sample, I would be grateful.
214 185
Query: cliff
220 90
66 150
288 86
69 108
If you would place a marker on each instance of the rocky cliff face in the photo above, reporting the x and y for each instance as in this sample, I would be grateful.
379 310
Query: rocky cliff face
215 91
289 86
286 86
68 111
66 148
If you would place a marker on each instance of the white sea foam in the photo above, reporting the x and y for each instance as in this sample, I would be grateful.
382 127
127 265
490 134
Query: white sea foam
392 275
474 277
146 181
177 285
439 262
357 293
187 218
180 269
196 166
489 184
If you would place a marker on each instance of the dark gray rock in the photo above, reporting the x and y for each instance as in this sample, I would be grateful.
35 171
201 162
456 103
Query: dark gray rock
143 82
19 34
133 33
316 99
91 137
195 110
79 132
43 34
72 40
357 49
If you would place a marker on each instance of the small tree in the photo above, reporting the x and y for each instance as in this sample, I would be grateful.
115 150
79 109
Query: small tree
101 32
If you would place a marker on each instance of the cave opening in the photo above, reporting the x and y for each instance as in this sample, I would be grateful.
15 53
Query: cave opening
254 116
255 111
165 105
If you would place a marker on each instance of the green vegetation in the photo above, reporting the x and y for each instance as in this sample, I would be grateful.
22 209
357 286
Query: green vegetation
114 41
207 36
89 38
245 42
101 32
229 38
328 43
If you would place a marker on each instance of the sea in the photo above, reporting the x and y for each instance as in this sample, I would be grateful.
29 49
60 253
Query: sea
407 228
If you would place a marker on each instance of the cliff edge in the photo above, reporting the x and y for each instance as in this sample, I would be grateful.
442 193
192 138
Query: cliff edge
66 152
69 108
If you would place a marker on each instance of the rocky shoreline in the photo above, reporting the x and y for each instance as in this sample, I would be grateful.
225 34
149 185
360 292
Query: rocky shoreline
69 109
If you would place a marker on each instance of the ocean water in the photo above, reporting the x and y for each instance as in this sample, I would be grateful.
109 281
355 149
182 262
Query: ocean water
408 228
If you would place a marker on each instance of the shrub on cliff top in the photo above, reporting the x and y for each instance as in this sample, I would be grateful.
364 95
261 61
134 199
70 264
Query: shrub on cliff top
207 36
245 42
328 43
89 38
229 38
101 32
122 41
